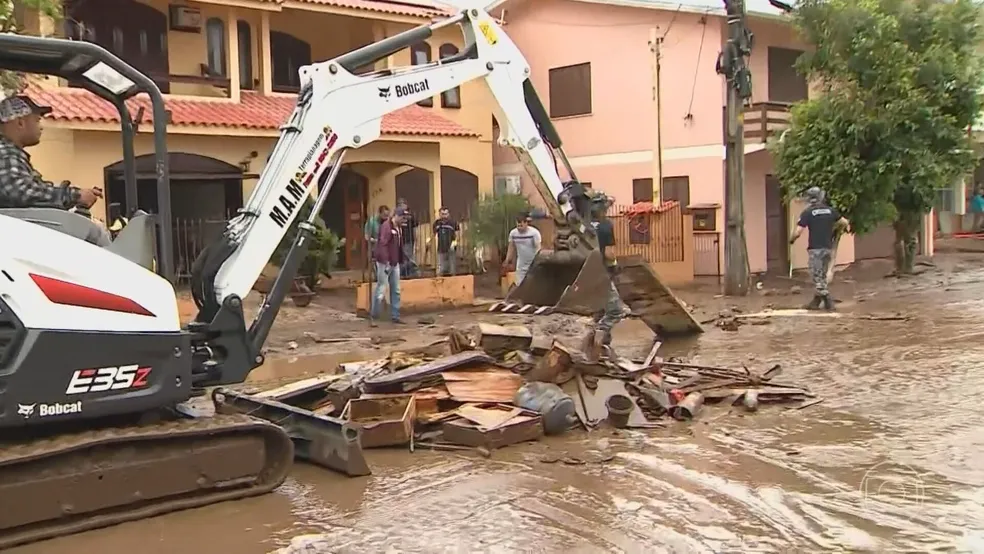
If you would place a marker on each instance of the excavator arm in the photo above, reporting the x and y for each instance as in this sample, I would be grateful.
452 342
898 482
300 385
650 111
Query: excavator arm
338 111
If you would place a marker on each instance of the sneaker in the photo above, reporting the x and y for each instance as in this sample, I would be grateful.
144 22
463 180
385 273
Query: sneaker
398 321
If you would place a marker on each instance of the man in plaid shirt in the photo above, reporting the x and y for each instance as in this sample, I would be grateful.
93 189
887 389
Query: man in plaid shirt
21 186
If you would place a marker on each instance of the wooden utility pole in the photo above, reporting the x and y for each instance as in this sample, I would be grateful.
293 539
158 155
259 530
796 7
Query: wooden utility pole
732 65
655 42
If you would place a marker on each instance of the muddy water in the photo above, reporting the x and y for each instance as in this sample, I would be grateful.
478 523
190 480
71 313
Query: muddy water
891 461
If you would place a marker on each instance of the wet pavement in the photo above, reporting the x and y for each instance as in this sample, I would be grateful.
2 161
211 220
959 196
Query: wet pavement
891 461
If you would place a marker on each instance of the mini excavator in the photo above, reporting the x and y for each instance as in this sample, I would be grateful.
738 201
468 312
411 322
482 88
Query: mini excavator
95 366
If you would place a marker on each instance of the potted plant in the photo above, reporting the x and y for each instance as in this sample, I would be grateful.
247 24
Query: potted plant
321 257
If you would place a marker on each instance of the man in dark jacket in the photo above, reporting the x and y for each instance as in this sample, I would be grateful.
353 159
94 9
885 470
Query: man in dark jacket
389 256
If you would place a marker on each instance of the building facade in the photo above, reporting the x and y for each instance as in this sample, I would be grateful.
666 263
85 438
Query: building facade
595 63
229 71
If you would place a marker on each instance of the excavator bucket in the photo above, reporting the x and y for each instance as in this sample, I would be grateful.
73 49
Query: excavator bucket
571 282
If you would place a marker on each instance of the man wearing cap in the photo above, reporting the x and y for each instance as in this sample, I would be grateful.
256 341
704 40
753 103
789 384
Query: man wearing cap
21 186
823 221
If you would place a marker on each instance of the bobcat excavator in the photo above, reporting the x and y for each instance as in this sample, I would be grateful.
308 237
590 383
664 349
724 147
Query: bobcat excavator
97 375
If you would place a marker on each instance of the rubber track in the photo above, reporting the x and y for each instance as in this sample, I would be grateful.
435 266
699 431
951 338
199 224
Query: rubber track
279 454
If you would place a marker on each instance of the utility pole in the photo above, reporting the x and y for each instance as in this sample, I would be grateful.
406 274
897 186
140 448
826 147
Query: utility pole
655 42
733 66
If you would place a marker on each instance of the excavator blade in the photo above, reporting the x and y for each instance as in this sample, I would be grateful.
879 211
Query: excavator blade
577 283
565 281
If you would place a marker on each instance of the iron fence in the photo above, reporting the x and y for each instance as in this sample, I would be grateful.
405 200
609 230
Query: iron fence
191 236
707 254
657 237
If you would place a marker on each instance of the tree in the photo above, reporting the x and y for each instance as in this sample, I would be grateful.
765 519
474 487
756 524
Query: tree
11 21
898 83
493 217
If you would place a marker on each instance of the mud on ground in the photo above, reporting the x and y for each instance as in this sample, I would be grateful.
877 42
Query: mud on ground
890 462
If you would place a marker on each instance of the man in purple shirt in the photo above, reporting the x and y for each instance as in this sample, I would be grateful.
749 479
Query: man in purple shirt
389 256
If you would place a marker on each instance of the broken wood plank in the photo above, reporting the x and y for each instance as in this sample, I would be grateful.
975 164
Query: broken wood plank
412 377
300 387
495 385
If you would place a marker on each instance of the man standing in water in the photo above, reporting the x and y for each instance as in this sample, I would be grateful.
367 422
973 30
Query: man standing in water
823 221
524 243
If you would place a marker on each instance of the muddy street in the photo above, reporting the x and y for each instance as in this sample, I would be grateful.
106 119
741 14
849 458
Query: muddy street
890 461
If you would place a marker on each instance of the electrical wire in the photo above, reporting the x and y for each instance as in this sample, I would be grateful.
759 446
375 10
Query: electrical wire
693 87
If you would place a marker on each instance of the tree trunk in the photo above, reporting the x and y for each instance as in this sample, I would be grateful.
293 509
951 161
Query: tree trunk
906 229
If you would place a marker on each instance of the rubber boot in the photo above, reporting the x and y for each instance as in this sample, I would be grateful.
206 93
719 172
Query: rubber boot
828 303
815 303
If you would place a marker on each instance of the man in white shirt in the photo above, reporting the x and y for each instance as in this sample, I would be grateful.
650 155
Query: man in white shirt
524 243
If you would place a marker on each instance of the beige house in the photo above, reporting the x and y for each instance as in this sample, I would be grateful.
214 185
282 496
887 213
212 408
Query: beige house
228 69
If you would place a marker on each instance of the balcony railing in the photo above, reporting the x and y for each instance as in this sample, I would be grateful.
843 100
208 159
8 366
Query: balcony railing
765 120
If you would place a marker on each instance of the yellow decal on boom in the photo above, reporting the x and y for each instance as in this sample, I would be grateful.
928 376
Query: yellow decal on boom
489 34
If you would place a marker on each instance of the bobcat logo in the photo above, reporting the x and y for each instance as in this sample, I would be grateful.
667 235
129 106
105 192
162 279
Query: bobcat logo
26 411
384 92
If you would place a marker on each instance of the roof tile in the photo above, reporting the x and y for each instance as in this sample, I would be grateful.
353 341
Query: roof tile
416 8
254 111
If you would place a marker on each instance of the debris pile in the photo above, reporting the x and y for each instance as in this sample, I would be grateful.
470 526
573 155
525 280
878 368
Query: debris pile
501 386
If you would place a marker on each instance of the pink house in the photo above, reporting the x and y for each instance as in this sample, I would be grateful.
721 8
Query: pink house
594 64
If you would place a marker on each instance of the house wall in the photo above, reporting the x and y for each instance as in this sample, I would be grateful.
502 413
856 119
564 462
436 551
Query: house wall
614 144
81 156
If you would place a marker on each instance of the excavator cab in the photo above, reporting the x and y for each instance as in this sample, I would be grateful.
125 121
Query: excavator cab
142 238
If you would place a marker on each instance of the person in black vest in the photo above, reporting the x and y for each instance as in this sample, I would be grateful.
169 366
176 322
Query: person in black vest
446 232
823 221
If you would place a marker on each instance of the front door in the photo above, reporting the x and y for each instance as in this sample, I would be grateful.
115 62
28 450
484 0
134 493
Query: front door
776 227
355 185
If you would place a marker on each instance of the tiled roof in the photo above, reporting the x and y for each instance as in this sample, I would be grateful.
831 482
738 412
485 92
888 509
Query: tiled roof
254 111
415 8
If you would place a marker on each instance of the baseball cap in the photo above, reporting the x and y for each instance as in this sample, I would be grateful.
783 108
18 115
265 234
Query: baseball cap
401 211
14 107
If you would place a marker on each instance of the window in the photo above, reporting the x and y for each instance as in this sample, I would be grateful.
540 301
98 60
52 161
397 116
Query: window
288 54
245 55
215 41
570 90
785 83
676 188
450 98
133 31
642 190
420 54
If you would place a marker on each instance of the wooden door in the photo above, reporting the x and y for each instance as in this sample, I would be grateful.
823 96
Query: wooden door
776 227
356 249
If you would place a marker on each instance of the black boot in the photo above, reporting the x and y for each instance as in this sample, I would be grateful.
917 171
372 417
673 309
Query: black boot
815 303
828 303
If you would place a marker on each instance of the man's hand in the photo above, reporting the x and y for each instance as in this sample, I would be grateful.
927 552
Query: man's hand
88 197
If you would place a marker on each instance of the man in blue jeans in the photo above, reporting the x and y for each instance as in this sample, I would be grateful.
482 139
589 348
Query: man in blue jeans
389 256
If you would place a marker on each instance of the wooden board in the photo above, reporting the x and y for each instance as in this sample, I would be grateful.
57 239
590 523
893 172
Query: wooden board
424 294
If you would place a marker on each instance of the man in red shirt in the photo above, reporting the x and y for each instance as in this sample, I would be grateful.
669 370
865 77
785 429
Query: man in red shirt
389 256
